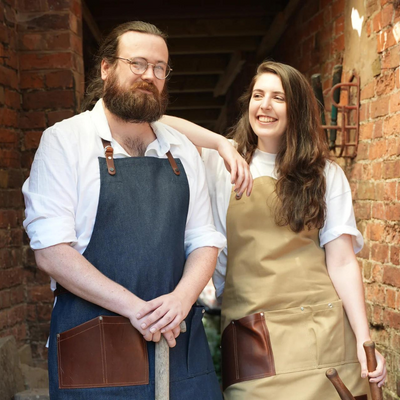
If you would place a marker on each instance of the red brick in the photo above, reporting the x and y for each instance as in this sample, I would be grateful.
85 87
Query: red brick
59 79
393 212
32 139
375 232
364 253
46 61
16 314
398 77
368 91
376 170
32 120
393 146
377 22
31 80
338 44
44 312
380 107
59 5
315 24
9 158
378 129
8 136
8 117
40 293
8 77
392 319
364 111
371 7
12 99
46 21
378 211
391 169
380 252
362 210
48 100
339 26
363 151
57 116
31 6
385 84
391 297
390 58
394 255
394 103
42 41
385 39
338 8
377 149
10 277
76 44
387 15
390 191
375 294
391 125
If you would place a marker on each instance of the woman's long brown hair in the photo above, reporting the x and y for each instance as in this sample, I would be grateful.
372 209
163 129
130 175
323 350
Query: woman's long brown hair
302 154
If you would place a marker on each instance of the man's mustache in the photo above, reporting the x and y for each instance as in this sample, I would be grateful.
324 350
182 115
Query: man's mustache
149 87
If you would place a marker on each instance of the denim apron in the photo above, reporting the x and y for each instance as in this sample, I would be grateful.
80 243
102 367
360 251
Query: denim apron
138 242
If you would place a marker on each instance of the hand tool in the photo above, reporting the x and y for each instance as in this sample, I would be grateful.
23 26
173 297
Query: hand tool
162 367
340 387
369 347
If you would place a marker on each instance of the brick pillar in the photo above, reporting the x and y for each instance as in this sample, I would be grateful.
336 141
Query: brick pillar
41 82
12 291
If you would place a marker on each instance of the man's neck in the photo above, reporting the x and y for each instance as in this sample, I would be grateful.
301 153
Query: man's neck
133 137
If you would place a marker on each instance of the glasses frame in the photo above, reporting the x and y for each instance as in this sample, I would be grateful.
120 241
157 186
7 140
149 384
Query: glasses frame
130 62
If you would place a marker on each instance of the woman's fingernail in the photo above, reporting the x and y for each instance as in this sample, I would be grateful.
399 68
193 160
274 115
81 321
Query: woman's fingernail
143 326
138 315
152 330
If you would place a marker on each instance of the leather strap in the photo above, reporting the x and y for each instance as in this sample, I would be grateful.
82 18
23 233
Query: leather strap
60 290
109 153
173 164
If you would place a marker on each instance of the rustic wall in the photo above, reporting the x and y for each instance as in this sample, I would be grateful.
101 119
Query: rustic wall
40 83
319 37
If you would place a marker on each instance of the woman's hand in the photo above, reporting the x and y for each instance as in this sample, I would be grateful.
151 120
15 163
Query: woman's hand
379 375
237 166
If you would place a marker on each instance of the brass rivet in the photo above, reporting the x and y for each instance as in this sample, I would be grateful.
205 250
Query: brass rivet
112 169
302 308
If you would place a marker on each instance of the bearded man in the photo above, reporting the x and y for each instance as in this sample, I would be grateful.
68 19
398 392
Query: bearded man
118 214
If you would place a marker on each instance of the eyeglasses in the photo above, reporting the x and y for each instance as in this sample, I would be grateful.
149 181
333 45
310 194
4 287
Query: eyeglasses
139 66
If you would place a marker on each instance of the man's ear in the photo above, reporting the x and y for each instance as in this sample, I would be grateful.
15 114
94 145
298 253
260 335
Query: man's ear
105 69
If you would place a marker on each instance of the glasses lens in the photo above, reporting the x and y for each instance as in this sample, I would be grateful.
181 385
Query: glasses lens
138 66
161 71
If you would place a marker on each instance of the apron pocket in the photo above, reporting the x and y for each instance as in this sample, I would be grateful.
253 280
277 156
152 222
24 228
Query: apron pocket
246 351
199 357
105 351
329 330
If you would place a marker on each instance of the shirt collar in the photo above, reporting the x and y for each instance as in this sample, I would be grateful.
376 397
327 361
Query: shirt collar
165 137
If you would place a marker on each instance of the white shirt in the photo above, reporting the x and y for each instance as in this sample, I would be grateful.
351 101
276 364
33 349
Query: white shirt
62 192
339 217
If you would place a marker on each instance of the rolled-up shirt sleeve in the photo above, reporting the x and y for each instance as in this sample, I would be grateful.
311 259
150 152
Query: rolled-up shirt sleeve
50 192
200 228
340 217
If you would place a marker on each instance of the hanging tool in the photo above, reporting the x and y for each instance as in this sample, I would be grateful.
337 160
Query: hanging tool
336 78
317 89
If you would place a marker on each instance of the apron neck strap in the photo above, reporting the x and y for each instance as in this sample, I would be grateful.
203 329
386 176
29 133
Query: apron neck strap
109 154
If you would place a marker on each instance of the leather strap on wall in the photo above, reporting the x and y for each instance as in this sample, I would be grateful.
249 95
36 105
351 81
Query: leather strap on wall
173 164
109 153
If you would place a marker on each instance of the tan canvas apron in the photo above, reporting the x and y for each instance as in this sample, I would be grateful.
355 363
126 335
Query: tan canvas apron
283 275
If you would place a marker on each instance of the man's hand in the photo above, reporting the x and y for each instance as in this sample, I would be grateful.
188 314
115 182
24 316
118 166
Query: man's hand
163 314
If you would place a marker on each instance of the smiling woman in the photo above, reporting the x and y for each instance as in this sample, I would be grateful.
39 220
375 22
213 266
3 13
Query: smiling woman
293 300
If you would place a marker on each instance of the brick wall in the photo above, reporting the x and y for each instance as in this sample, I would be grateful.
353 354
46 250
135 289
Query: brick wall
40 83
319 37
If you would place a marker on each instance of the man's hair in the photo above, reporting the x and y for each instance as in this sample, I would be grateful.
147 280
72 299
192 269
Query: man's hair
302 154
108 51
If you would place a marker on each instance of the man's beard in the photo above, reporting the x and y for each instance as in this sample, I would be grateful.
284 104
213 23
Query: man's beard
132 105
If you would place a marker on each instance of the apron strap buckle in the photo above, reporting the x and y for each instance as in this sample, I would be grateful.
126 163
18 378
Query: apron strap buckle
109 154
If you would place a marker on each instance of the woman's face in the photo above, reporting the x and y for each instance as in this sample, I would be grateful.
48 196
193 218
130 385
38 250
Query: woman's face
268 112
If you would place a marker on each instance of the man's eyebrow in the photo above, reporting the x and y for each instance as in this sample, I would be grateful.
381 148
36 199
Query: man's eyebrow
142 58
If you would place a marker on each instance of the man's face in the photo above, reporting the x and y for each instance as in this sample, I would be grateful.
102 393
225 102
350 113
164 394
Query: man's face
131 97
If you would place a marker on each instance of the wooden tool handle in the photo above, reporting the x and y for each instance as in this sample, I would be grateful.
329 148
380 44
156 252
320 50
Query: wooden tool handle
369 347
340 387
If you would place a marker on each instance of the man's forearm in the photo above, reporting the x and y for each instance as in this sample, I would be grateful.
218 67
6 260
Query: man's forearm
71 270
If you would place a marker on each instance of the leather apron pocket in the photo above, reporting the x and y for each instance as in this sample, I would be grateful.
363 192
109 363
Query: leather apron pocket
246 351
103 352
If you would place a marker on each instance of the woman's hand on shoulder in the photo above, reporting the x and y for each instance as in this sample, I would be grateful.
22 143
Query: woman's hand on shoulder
237 166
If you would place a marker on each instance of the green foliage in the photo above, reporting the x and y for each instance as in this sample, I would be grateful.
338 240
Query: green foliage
212 327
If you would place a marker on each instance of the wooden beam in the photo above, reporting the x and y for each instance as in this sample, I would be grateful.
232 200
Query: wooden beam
235 65
216 45
222 121
91 23
199 64
276 30
194 101
190 84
